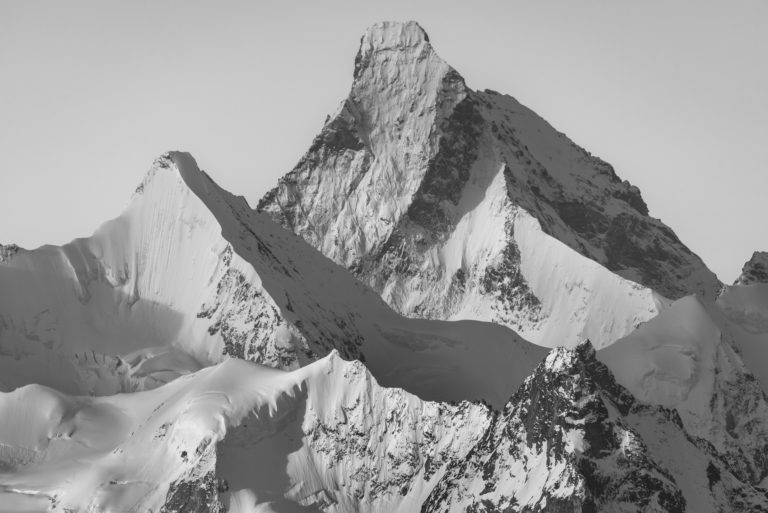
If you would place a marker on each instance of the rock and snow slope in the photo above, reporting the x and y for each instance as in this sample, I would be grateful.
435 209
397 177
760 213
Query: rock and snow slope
745 310
326 437
454 203
688 358
189 274
755 270
572 439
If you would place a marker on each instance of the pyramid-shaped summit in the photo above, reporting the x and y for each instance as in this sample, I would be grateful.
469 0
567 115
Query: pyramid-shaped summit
454 203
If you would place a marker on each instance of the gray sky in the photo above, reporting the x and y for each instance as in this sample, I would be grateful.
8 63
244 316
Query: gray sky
673 94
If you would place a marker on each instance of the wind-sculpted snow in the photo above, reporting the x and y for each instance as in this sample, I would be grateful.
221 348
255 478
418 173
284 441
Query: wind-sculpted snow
429 191
189 274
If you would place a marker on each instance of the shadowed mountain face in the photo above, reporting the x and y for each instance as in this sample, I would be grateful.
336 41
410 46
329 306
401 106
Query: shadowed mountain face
433 193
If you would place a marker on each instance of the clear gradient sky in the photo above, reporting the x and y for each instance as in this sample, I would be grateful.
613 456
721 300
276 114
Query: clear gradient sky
673 94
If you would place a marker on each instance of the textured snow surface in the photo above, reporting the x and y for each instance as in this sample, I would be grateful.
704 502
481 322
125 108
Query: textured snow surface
435 195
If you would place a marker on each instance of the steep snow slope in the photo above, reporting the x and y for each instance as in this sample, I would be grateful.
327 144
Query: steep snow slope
444 199
688 359
189 274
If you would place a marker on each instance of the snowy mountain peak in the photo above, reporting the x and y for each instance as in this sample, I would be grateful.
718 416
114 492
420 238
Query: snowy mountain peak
563 360
578 365
184 166
392 36
755 270
441 199
387 34
387 38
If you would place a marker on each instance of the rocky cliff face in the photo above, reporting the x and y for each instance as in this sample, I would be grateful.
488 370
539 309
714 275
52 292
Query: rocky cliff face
432 193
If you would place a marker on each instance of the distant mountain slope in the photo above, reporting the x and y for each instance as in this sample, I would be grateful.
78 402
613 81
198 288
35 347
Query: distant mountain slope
745 309
690 358
755 270
454 203
573 440
189 274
